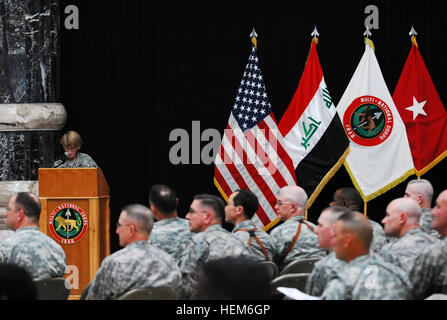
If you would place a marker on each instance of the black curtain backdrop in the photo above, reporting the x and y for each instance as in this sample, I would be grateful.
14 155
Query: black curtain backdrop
138 69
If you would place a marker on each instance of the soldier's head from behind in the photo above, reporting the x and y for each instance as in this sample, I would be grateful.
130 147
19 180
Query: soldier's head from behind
353 236
204 211
163 201
421 191
349 198
134 224
402 215
291 201
16 283
439 213
71 142
23 210
242 205
325 229
233 278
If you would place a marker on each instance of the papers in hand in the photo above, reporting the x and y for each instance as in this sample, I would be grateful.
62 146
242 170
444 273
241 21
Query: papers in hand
296 294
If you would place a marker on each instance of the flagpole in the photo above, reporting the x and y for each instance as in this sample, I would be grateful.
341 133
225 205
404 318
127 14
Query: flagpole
254 36
413 35
314 35
368 41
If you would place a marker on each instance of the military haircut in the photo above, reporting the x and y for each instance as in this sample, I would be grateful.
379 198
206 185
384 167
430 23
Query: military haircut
248 201
30 204
335 212
353 197
423 187
358 225
142 215
164 198
410 207
216 204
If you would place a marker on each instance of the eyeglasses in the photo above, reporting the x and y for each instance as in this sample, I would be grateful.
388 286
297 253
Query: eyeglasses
280 203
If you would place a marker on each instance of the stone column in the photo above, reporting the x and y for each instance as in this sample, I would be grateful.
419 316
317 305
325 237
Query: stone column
30 118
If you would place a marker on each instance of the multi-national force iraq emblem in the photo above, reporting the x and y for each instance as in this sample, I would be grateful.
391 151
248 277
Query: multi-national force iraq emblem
368 121
68 223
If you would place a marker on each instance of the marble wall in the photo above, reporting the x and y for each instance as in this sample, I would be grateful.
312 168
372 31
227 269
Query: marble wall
30 118
29 50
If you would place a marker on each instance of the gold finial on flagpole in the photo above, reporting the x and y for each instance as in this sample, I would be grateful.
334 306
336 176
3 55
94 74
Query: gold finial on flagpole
315 35
254 36
368 41
413 35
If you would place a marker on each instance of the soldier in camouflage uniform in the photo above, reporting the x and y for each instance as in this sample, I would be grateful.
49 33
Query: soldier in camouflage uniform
138 265
402 222
210 241
365 277
241 207
351 198
28 247
429 274
170 233
71 142
422 192
325 269
295 238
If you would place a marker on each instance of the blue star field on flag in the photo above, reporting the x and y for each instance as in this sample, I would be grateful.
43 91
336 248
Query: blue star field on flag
251 105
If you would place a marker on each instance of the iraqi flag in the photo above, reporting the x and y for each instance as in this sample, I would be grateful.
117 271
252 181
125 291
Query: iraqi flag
422 111
380 156
313 134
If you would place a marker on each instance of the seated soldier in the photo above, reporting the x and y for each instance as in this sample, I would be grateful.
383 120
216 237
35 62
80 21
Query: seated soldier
365 277
402 222
170 233
351 198
295 238
28 247
421 191
325 269
241 207
210 241
138 264
429 274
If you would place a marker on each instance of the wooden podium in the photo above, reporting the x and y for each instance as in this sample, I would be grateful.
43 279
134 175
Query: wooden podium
75 213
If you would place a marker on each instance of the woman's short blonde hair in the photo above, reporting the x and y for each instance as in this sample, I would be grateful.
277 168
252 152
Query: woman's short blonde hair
71 139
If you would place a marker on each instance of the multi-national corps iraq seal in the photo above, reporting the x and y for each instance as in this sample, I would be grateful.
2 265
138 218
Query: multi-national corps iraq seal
368 121
68 223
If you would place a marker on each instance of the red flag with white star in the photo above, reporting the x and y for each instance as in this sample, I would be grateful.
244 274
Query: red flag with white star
422 111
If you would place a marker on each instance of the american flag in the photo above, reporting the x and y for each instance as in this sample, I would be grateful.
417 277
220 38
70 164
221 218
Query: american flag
251 155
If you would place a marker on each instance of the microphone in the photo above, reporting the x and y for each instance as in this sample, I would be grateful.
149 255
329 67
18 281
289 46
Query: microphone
60 160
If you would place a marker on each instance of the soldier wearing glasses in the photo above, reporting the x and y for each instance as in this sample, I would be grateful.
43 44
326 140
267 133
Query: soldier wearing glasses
295 238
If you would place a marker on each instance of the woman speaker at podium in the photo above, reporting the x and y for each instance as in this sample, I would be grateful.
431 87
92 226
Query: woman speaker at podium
71 142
